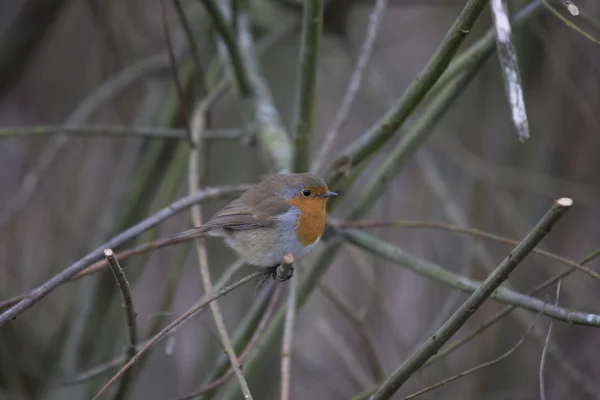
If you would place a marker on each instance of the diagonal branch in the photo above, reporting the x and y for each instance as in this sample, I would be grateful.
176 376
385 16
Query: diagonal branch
207 299
493 281
365 147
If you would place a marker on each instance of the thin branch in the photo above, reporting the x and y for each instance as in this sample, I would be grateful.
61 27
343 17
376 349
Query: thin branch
545 348
341 116
189 34
123 285
442 275
287 345
494 280
194 187
266 318
465 231
174 71
207 299
64 276
363 148
312 27
110 88
220 22
369 344
141 132
477 368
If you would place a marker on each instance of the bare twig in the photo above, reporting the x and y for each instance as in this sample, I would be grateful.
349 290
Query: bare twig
287 345
410 143
312 26
477 368
141 132
174 72
43 290
115 362
207 299
355 81
510 68
499 275
464 231
189 34
433 271
363 148
194 186
123 285
545 349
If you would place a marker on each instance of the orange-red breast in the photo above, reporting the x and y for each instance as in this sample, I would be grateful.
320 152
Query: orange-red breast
283 216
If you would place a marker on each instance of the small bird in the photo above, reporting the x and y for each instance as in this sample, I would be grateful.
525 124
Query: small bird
279 219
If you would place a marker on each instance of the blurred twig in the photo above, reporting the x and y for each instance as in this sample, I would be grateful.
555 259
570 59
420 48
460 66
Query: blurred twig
477 368
123 285
287 345
464 231
341 116
482 293
207 299
141 132
312 27
40 292
369 344
110 88
545 348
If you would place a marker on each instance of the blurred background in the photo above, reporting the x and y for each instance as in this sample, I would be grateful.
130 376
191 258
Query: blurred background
104 63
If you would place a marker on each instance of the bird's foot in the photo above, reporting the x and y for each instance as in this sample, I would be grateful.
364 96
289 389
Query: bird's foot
279 274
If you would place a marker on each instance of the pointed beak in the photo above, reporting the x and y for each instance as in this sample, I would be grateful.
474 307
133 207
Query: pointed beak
328 194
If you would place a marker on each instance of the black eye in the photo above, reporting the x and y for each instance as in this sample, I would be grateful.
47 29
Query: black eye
306 192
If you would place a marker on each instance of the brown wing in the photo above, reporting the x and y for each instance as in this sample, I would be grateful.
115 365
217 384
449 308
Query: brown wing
253 210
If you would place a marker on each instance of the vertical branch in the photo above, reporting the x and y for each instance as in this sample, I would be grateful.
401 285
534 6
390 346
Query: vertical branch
123 285
493 281
312 28
194 183
355 81
288 337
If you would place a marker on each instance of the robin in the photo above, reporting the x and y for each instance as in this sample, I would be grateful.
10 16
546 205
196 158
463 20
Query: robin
279 219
